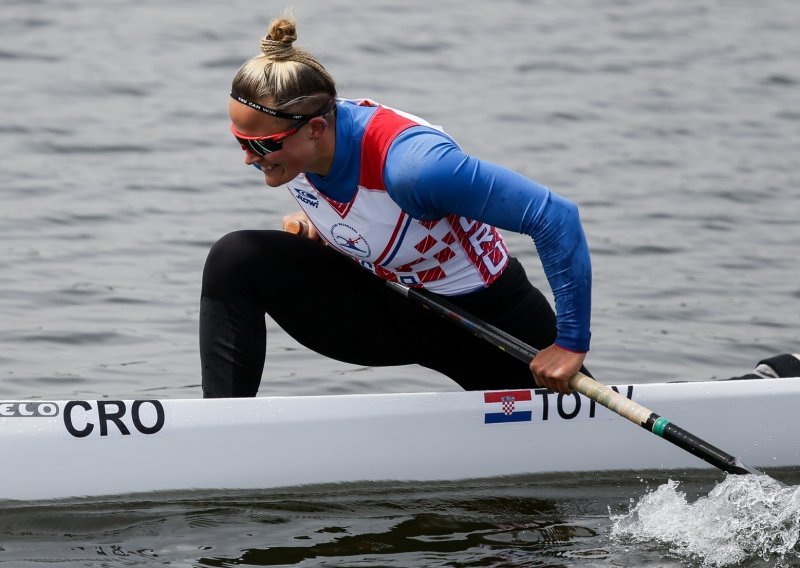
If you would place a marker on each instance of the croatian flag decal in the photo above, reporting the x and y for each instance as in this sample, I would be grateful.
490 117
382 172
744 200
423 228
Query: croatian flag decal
506 403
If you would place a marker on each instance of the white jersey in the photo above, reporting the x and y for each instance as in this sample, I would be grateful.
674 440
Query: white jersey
451 255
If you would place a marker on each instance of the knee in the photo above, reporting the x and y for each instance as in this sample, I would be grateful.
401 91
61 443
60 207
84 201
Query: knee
230 251
230 259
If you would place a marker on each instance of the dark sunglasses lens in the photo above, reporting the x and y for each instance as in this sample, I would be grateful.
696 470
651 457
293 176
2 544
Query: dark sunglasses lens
260 147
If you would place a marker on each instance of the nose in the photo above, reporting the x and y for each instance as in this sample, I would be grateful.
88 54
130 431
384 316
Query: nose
251 157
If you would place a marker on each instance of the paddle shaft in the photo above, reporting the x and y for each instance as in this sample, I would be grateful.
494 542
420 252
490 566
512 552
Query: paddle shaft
583 384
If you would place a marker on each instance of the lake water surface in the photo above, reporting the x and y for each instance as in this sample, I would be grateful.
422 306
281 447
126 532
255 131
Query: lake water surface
674 126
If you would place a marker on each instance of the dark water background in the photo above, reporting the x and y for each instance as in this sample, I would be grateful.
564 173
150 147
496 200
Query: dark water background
674 126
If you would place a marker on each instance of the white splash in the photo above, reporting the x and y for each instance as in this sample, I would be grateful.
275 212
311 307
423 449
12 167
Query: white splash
744 517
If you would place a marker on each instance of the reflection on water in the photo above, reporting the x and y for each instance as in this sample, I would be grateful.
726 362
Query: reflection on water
518 521
499 521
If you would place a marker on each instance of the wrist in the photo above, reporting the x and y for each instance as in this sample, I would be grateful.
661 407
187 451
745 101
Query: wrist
568 350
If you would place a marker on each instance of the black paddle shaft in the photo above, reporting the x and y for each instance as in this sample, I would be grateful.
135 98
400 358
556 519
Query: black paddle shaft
585 385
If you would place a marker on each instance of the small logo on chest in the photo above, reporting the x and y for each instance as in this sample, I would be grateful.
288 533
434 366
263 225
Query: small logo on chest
350 240
306 197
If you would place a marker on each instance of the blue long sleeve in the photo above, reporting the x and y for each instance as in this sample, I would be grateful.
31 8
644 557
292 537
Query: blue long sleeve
428 175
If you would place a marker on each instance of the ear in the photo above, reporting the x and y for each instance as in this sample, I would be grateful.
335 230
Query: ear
318 125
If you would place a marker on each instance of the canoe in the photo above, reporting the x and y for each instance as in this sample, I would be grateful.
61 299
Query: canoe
76 448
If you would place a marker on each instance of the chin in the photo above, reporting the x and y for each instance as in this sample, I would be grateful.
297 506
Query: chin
278 177
274 180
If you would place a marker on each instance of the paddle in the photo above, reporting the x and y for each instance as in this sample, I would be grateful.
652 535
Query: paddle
587 386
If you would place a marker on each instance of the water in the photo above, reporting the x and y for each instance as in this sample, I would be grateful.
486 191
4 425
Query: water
674 126
740 518
533 521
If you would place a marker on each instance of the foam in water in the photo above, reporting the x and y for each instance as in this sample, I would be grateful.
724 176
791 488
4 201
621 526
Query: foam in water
744 517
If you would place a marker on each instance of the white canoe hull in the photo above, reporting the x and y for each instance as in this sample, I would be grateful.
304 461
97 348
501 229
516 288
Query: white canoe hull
66 449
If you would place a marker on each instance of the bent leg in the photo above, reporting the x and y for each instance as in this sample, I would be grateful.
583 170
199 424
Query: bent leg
333 306
321 298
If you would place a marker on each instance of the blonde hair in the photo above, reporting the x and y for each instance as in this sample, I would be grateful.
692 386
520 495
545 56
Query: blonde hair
289 77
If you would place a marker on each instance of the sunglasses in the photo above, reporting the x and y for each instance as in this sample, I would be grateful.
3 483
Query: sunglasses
263 145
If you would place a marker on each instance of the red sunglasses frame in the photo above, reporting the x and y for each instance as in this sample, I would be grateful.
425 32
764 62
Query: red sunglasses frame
263 145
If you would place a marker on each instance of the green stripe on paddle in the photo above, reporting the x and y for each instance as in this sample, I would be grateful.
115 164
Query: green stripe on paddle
583 384
659 426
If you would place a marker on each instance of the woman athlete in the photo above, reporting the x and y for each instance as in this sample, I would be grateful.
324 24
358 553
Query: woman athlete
385 196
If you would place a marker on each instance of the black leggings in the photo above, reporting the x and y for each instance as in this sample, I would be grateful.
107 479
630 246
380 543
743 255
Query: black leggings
335 307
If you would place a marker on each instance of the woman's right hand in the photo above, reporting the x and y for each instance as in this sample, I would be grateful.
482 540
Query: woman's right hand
298 224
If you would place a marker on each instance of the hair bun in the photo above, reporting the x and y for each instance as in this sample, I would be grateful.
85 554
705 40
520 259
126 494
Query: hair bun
277 44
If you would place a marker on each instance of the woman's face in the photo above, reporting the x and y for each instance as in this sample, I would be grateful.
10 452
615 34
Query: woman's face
298 153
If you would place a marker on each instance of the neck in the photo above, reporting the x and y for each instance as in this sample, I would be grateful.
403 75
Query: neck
326 149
